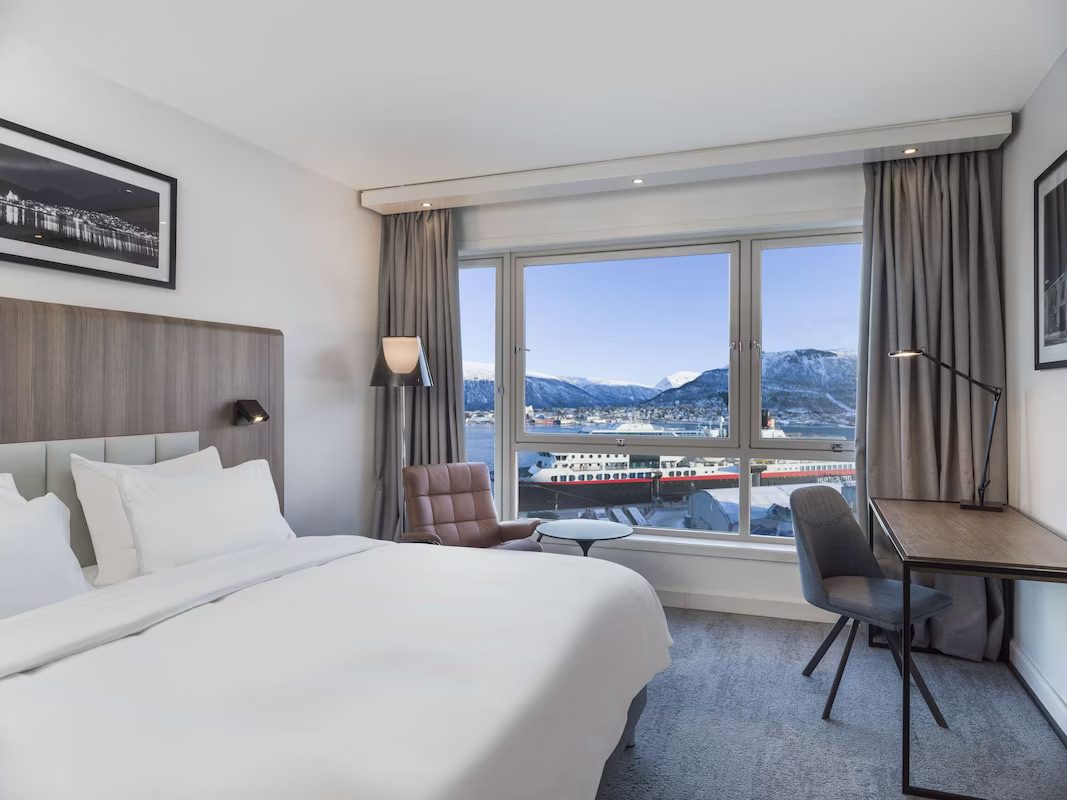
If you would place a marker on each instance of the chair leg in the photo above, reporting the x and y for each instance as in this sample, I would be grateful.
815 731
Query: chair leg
829 640
895 646
840 669
893 650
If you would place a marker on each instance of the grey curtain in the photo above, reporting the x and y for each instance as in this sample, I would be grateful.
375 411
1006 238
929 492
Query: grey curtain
418 295
932 279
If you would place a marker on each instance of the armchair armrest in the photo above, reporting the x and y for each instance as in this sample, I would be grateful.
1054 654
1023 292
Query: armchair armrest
420 537
518 529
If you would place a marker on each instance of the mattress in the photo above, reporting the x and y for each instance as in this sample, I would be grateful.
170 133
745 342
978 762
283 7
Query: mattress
330 667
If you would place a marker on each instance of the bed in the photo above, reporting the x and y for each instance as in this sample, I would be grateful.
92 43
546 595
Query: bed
324 667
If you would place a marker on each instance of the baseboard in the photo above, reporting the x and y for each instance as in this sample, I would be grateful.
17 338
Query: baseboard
754 605
1042 692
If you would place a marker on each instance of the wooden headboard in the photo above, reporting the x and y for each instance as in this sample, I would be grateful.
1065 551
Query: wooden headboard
68 372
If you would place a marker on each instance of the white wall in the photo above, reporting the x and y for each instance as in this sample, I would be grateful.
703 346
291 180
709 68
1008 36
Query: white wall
787 202
260 242
1037 400
693 575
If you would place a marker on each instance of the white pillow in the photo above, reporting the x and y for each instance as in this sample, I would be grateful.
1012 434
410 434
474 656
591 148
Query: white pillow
37 566
97 484
179 520
8 489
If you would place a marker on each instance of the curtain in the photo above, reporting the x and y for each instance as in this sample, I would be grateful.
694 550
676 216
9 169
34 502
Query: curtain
418 295
932 279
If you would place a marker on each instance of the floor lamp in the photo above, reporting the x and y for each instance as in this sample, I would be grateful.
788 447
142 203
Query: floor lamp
401 363
997 392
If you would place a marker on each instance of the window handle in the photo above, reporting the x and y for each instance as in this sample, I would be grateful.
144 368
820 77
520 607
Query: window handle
755 345
520 349
734 345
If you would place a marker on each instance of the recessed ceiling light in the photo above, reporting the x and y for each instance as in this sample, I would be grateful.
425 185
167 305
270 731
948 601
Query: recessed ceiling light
910 151
639 180
426 205
38 236
129 191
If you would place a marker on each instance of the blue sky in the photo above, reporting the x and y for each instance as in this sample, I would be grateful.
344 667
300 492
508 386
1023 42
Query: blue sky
641 319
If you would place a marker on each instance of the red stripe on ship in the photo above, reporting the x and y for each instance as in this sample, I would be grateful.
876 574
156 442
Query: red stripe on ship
694 478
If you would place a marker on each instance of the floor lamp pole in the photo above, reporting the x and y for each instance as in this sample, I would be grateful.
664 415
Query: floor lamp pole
401 453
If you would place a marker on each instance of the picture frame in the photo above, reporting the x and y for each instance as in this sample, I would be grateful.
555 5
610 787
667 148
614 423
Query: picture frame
66 207
1050 266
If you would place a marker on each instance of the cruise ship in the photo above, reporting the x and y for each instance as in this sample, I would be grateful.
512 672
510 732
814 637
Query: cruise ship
577 480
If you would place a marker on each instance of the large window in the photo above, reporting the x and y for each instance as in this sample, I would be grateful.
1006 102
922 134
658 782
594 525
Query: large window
808 322
641 385
629 344
654 491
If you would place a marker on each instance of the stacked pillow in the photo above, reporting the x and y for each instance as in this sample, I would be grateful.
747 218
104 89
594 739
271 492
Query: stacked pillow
99 484
142 519
37 566
146 518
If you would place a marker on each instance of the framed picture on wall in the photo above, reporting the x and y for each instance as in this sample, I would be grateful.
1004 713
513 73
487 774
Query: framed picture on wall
1050 266
70 208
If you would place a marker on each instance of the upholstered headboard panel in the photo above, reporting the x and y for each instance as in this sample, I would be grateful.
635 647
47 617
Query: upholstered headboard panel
43 467
68 372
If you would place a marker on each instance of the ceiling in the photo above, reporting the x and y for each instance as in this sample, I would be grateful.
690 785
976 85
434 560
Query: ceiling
387 93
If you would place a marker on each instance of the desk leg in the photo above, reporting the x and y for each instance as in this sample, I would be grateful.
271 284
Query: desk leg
905 715
870 543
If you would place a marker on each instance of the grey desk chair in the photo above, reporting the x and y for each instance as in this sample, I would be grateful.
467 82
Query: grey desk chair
840 574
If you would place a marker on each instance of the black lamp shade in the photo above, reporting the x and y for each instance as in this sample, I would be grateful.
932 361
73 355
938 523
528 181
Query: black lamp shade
249 412
401 362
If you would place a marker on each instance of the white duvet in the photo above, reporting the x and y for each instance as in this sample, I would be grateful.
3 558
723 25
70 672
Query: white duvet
332 667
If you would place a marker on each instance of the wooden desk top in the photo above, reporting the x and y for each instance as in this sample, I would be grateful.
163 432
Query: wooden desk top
1008 543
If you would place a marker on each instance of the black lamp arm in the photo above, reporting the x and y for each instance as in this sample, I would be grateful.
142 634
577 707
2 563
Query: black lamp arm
996 391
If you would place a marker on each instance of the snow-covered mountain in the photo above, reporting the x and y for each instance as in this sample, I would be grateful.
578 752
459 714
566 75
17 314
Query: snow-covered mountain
676 379
796 383
614 393
552 391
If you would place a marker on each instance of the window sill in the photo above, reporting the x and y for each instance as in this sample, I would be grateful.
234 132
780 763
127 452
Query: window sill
690 546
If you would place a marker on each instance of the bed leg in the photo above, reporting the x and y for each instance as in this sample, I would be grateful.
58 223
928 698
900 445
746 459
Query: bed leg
629 736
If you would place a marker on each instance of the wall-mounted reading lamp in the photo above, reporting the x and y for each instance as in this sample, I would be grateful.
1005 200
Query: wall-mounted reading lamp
249 412
996 391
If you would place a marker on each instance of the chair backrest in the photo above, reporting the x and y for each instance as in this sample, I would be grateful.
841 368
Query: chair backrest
455 501
829 541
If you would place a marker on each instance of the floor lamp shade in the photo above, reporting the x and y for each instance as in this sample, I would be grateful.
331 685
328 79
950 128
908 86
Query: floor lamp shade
401 362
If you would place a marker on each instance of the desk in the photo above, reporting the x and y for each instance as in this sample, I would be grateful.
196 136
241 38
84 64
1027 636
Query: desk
941 537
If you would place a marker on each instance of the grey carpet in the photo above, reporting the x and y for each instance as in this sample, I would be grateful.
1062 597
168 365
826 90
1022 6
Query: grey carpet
733 718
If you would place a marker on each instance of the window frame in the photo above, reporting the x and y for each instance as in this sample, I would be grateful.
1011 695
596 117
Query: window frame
745 325
518 347
500 446
755 341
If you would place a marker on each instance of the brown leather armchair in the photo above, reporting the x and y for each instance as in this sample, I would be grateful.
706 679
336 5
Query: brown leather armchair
452 504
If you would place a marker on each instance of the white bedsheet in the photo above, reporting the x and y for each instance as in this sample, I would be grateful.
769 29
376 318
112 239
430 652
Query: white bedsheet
334 667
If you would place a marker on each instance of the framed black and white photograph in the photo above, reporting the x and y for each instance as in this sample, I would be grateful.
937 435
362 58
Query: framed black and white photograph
66 207
1050 264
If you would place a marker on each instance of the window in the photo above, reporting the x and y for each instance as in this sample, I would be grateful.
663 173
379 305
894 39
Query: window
658 499
665 369
773 480
808 320
478 340
638 385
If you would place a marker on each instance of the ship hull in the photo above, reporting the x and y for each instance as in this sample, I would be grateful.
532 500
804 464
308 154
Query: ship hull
539 496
